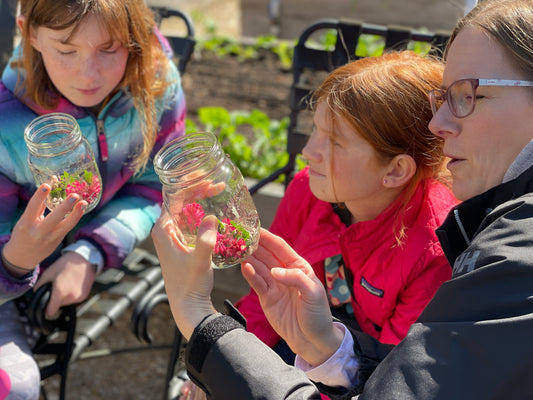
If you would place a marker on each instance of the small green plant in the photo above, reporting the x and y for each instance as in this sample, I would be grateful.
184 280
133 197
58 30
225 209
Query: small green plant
226 45
367 45
370 45
83 183
255 143
284 49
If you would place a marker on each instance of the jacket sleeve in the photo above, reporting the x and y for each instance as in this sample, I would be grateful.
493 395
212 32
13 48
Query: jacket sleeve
128 218
229 363
434 270
10 287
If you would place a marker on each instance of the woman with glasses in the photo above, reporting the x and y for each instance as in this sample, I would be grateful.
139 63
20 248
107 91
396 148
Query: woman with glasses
473 339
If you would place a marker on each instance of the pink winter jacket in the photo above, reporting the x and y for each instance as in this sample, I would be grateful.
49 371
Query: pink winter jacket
392 284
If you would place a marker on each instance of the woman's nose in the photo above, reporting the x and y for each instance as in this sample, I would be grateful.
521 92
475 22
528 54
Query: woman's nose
444 123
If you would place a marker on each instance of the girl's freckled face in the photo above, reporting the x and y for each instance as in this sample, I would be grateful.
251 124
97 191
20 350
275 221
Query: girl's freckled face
343 167
85 68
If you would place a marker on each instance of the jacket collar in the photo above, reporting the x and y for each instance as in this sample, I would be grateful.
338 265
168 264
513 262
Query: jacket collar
521 163
464 220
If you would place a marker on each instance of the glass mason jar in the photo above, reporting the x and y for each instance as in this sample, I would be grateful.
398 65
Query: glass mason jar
199 179
58 154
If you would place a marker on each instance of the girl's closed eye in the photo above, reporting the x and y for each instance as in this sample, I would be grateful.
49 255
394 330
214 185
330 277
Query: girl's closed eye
65 52
110 51
336 143
111 48
339 140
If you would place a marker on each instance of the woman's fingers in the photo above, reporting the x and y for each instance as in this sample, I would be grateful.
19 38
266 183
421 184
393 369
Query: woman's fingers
258 282
276 248
266 252
272 253
166 236
294 277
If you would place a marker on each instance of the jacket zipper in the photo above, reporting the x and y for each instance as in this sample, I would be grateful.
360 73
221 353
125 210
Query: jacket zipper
461 227
102 140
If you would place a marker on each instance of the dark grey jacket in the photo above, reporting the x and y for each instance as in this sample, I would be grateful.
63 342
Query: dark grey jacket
474 340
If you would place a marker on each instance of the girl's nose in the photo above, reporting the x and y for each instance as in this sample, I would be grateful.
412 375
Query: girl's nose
311 150
89 68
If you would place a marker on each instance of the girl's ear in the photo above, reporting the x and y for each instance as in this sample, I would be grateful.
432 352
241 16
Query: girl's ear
400 171
21 21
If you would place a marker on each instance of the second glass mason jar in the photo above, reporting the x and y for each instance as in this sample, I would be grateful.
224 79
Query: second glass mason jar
199 179
58 154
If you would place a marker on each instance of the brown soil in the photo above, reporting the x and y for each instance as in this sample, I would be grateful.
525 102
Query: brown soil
260 83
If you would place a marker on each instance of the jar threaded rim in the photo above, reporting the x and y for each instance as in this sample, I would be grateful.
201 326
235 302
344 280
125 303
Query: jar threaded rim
52 131
175 162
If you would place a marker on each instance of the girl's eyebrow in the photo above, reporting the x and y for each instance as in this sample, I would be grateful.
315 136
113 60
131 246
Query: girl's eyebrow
66 41
61 40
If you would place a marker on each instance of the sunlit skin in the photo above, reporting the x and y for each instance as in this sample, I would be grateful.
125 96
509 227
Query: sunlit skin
502 118
88 67
356 175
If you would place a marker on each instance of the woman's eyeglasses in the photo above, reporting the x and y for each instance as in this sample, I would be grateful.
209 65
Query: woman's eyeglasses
461 94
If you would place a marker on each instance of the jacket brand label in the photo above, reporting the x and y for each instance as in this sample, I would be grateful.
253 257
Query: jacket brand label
465 263
371 289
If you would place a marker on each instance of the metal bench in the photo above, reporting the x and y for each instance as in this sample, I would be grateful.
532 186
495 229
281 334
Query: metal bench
182 46
61 341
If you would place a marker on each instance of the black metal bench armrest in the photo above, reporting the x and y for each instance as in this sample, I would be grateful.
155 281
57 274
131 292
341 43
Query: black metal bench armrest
182 46
143 310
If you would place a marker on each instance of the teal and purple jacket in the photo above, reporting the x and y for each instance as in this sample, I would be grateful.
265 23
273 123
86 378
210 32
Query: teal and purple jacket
130 202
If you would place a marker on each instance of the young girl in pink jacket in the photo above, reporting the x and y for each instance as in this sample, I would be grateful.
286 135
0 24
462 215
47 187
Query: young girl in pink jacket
364 211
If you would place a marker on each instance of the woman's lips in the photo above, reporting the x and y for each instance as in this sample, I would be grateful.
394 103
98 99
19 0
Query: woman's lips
454 162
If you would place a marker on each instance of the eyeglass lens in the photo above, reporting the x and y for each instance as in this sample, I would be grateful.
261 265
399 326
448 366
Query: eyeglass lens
460 97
